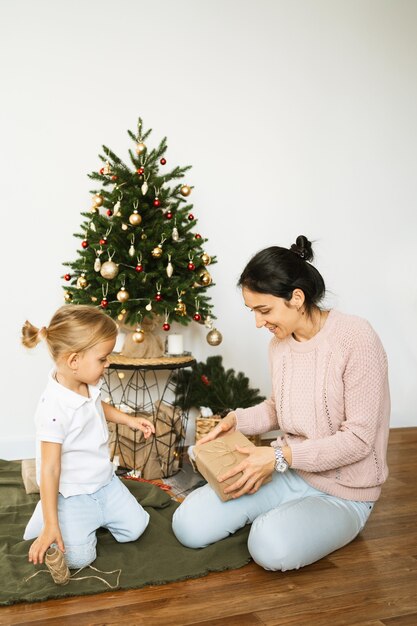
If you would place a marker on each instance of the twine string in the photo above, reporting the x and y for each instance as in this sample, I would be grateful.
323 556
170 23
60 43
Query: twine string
57 567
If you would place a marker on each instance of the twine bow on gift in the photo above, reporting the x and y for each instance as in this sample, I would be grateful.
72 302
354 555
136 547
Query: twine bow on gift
220 450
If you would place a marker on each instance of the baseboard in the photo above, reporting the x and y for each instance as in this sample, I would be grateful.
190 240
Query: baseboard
14 449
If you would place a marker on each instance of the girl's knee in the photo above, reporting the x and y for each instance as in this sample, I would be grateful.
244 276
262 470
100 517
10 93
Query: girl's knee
77 557
135 529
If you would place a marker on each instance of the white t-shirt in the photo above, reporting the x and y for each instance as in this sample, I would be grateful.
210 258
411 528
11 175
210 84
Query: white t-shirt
78 423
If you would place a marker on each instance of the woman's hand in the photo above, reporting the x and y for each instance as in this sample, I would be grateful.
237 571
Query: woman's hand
225 426
48 536
140 423
258 465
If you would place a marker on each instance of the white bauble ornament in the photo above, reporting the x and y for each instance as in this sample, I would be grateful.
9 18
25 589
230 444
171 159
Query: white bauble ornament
109 270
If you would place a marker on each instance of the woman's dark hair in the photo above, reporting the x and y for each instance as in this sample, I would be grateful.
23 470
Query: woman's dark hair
278 271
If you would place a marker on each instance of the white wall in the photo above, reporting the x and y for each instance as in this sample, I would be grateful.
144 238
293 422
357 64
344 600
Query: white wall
298 117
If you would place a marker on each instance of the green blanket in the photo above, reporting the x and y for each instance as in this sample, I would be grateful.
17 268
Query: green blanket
155 558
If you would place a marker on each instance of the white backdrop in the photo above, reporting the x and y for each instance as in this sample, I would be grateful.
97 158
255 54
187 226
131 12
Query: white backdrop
298 118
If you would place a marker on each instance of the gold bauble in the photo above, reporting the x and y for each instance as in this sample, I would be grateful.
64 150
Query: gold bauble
68 296
140 147
109 270
185 190
214 337
138 336
123 295
206 258
135 219
97 200
157 252
82 282
205 278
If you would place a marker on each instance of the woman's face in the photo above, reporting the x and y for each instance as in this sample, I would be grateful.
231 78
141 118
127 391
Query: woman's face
279 316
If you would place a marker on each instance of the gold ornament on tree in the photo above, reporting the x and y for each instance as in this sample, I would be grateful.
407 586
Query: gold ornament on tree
68 296
205 278
214 337
109 269
82 282
140 147
97 200
157 251
206 258
180 307
123 294
185 190
139 335
135 219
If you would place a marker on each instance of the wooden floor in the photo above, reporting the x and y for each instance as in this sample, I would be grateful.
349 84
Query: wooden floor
371 582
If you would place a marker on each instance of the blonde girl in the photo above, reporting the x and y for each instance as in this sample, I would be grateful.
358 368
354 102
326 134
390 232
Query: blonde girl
79 491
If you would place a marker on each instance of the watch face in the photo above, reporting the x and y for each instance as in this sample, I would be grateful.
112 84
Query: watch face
281 466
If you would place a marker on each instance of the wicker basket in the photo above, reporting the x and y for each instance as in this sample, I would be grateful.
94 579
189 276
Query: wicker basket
203 425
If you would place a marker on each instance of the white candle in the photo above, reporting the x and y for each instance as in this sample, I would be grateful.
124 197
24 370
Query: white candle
175 344
121 336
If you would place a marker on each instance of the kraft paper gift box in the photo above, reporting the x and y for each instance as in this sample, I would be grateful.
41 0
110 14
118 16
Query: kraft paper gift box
215 458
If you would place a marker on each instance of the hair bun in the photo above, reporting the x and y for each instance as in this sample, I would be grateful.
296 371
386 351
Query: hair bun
302 248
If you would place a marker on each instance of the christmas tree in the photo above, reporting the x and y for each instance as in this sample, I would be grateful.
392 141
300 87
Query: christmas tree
140 255
209 384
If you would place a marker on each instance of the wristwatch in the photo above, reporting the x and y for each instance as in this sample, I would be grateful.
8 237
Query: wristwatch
281 464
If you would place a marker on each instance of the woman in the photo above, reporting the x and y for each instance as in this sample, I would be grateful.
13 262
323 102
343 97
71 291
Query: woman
330 399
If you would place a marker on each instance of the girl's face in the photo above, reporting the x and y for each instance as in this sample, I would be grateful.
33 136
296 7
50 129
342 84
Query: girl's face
92 363
279 316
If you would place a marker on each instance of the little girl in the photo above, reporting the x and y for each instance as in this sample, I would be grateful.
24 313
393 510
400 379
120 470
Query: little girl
78 487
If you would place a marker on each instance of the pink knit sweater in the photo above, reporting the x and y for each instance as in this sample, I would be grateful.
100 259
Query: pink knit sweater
330 398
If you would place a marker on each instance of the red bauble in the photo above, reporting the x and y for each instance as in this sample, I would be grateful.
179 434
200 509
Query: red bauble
104 303
103 241
191 217
67 276
84 244
205 380
139 267
102 171
114 177
109 212
166 326
163 161
191 266
169 215
198 236
157 202
140 171
158 297
197 317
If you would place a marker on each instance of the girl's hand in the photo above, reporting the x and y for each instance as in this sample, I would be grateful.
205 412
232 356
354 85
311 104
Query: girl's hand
225 426
140 423
47 537
258 465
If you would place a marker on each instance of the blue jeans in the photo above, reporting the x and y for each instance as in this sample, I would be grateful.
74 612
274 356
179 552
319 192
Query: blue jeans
112 507
293 524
